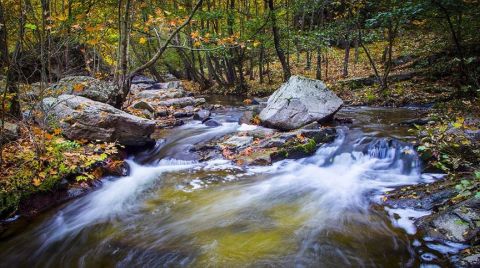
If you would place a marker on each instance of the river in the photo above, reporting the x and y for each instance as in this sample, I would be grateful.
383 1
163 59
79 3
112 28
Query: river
173 211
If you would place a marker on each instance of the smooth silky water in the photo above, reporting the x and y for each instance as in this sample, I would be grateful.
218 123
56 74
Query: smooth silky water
320 211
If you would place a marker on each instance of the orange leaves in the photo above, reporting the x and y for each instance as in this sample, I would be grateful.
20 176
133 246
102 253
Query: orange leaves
300 137
248 151
256 120
195 35
227 153
48 136
247 101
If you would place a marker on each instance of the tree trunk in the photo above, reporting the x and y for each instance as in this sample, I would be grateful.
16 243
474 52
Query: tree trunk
260 63
318 71
13 71
309 60
276 41
3 39
346 59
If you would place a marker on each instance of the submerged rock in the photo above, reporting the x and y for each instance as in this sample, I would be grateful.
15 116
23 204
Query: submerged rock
298 102
202 115
82 118
211 123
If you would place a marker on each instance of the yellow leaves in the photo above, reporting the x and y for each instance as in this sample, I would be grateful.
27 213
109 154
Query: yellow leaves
459 122
78 87
36 182
195 35
256 43
197 44
57 131
142 40
418 22
61 17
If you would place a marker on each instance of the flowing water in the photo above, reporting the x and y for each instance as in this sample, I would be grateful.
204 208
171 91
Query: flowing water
320 211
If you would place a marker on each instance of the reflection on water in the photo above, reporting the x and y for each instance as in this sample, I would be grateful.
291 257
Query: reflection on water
175 211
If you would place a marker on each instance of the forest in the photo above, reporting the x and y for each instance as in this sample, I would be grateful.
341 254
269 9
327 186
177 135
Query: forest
240 133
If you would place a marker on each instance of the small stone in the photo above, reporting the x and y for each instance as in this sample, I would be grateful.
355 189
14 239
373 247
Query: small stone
211 123
143 105
202 115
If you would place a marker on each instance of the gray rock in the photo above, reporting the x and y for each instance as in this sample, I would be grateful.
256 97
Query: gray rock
149 115
246 118
190 109
459 223
258 100
169 77
323 135
140 79
473 135
134 88
182 113
261 132
159 94
238 141
270 143
10 132
88 87
211 123
298 102
202 115
182 102
82 118
171 84
143 105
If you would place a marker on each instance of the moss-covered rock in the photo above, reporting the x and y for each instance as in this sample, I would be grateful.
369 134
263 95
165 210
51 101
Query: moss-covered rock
295 149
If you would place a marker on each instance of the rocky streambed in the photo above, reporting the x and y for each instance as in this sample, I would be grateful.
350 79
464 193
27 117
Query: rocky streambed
218 190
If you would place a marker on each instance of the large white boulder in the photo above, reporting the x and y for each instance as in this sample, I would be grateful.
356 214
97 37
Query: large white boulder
298 102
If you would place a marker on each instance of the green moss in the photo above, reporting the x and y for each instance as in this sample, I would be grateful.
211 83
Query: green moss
309 147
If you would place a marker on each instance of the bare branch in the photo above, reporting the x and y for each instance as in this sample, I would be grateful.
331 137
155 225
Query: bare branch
167 42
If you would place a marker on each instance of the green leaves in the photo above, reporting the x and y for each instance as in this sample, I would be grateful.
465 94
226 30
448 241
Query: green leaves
30 26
